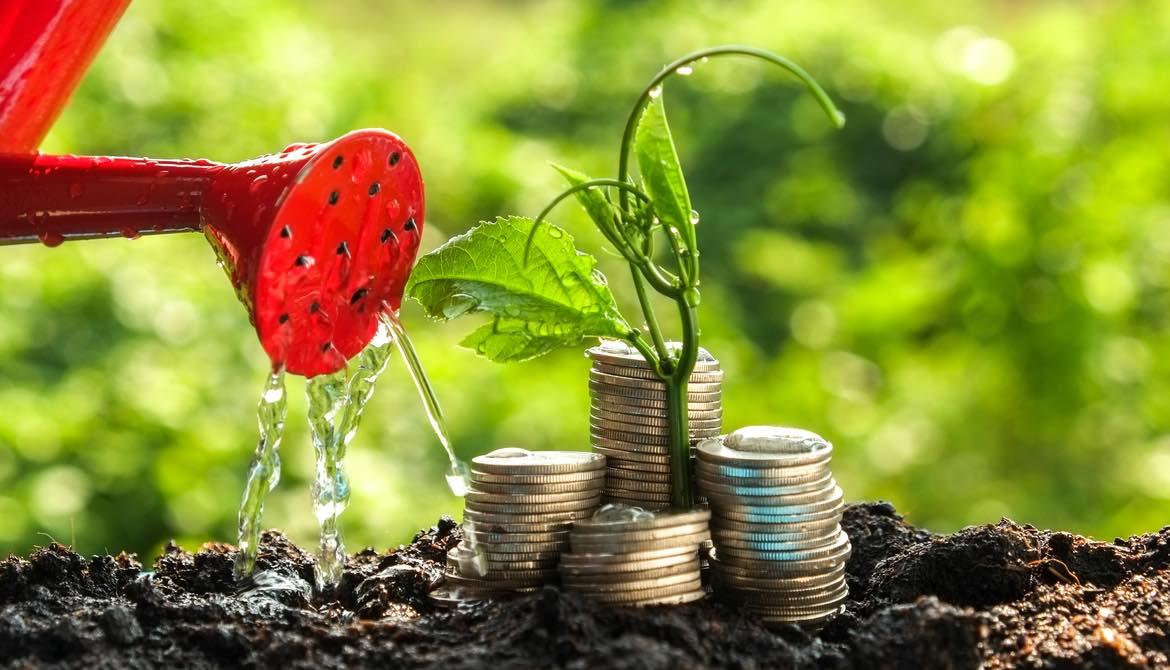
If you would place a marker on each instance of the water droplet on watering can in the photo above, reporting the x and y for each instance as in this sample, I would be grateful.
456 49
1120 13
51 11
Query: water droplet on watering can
76 189
51 239
257 183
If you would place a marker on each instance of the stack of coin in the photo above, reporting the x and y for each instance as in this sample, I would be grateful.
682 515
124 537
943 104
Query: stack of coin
776 513
629 556
518 513
629 422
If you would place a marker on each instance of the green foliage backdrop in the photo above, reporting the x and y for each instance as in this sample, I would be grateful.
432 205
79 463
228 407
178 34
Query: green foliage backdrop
967 290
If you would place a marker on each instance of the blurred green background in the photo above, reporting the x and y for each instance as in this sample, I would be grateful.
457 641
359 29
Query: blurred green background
967 289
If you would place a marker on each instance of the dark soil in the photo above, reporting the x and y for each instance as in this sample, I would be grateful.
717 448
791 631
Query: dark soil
1001 595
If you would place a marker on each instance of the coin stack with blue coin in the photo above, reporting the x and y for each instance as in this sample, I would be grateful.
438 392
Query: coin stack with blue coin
776 511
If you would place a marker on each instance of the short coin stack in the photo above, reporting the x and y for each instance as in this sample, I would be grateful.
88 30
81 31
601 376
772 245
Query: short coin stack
632 557
519 510
776 512
629 422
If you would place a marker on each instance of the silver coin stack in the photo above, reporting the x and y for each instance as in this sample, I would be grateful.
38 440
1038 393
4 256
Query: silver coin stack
517 517
776 510
629 556
629 422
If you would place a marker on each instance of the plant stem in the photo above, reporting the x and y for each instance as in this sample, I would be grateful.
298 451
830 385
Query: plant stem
681 479
664 365
822 98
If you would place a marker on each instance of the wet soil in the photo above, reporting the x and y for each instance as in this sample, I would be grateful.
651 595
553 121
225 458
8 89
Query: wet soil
997 596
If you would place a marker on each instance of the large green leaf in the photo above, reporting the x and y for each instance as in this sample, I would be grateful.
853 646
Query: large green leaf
557 299
662 176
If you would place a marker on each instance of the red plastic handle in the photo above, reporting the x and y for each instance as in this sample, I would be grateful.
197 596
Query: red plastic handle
45 48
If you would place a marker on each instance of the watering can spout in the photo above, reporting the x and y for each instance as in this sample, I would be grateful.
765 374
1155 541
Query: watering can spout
317 240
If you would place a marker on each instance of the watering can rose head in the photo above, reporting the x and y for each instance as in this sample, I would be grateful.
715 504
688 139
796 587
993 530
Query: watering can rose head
318 240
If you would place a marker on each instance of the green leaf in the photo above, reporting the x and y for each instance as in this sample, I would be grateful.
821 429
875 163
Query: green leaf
605 215
601 210
557 299
662 176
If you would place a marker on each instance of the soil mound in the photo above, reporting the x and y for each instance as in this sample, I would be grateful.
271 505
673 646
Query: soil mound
1002 595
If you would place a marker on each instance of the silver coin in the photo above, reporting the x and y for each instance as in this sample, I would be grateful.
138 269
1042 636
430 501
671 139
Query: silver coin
503 529
826 534
652 534
804 499
634 546
744 580
703 472
614 484
476 496
622 467
740 528
713 451
618 352
839 548
623 383
796 544
608 521
480 477
604 395
645 435
538 489
641 584
584 580
779 505
646 596
697 377
822 596
660 413
523 462
615 393
495 537
622 570
778 515
635 456
515 519
674 599
707 485
605 419
780 604
575 559
809 623
625 475
535 508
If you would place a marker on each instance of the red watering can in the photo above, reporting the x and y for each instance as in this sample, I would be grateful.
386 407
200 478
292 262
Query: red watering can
317 239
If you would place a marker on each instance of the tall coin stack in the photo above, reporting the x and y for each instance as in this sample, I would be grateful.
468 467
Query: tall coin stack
629 422
517 517
776 513
628 556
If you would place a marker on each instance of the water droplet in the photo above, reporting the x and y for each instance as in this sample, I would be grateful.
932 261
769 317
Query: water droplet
656 92
555 233
51 239
257 183
685 70
76 189
694 218
705 59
